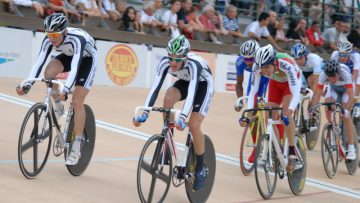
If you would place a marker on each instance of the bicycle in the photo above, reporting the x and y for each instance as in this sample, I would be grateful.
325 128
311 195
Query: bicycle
36 135
253 128
156 162
304 126
272 159
334 142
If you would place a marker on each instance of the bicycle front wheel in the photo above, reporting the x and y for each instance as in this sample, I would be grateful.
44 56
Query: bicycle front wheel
34 140
248 147
297 178
329 151
154 178
266 167
200 196
87 147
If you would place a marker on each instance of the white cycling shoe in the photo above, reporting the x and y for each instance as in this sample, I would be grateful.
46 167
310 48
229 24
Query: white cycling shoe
73 158
351 155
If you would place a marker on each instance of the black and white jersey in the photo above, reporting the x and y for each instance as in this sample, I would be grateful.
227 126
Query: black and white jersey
77 43
195 69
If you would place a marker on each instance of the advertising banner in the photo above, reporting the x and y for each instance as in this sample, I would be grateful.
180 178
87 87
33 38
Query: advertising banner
15 53
121 64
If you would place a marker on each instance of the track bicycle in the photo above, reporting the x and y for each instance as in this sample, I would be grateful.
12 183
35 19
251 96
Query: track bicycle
272 158
36 135
155 170
334 142
305 126
252 130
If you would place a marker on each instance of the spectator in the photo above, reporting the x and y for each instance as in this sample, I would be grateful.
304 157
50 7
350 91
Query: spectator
183 23
297 29
298 9
258 29
206 19
354 37
159 11
279 32
148 18
121 7
54 6
315 11
39 9
193 20
271 26
345 32
139 27
331 35
91 7
231 24
128 20
169 18
9 5
109 10
314 35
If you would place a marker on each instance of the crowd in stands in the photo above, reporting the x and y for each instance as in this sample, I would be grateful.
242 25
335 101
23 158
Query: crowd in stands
217 21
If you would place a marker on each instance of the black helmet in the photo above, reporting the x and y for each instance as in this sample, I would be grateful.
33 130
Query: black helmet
55 22
331 67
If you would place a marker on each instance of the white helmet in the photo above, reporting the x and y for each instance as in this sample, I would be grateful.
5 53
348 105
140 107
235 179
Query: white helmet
265 55
178 46
345 47
55 22
249 48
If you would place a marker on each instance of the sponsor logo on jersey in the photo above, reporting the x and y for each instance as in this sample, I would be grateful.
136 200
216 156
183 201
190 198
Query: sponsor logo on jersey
121 64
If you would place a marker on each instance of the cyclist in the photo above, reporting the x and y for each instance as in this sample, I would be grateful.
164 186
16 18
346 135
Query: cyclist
284 88
194 85
78 57
351 58
245 62
341 90
310 64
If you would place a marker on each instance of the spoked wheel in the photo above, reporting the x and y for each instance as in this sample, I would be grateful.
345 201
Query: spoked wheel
153 178
312 135
34 140
329 151
297 177
266 167
202 195
352 165
248 147
87 147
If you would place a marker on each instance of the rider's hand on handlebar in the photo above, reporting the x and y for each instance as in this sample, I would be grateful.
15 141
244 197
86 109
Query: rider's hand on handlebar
141 119
238 106
25 88
181 125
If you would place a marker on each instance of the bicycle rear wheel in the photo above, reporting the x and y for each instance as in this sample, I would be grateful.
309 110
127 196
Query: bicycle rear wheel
313 135
329 151
352 165
34 140
248 147
202 195
297 178
153 178
266 167
87 147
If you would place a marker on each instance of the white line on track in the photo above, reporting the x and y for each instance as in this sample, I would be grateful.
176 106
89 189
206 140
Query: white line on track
220 157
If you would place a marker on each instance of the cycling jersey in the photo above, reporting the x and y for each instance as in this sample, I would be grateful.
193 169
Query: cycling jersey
345 78
241 66
286 71
195 70
314 63
354 60
78 44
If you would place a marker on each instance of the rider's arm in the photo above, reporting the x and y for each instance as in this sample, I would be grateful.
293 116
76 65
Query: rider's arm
355 58
43 54
294 80
159 79
239 77
78 44
254 82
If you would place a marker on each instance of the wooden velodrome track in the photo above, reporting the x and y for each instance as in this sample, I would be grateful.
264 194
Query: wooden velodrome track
111 176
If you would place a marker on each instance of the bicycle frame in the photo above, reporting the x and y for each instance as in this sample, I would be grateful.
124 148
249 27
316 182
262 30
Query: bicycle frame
49 108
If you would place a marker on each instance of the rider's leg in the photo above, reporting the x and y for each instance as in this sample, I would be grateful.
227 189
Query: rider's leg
78 104
199 141
351 133
52 69
313 81
172 96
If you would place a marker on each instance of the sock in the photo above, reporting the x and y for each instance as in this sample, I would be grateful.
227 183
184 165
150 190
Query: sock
77 142
199 162
291 150
351 147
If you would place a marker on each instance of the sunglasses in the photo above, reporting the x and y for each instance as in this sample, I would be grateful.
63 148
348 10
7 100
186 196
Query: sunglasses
249 59
177 60
54 34
344 55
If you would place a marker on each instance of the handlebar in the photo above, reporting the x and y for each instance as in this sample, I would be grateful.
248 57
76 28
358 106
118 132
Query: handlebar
262 109
237 102
338 105
49 81
159 109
